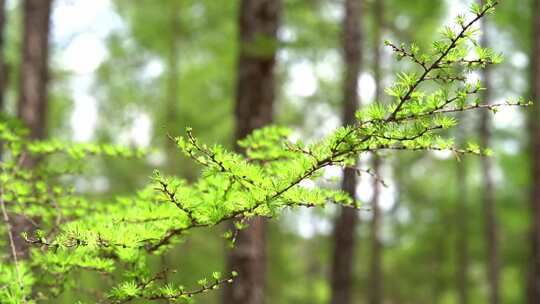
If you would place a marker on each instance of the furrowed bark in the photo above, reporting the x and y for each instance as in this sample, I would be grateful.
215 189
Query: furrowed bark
34 69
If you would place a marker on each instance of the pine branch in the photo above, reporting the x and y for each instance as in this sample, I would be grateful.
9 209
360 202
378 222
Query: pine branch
436 64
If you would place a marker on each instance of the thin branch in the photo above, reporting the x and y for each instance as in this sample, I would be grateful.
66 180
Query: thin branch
440 59
178 295
11 241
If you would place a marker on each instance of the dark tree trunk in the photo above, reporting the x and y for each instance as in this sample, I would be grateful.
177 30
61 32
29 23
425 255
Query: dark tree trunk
375 276
32 107
34 69
534 124
491 226
255 93
346 223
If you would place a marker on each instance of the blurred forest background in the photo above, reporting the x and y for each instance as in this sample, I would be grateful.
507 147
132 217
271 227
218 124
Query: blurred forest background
132 71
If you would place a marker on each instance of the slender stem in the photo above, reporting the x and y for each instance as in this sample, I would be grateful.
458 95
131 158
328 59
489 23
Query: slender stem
11 240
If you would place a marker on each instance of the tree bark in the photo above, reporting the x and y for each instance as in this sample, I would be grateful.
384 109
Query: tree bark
346 222
375 276
34 69
533 294
491 226
32 107
255 93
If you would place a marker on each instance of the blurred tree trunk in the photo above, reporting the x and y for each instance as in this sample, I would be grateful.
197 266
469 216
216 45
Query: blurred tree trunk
34 69
491 226
172 98
32 107
346 223
439 254
255 93
533 296
462 224
375 275
3 66
461 219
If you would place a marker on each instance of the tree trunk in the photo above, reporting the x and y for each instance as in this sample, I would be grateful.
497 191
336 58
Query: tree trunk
534 125
34 69
255 93
491 226
375 275
172 100
32 107
3 66
462 224
346 223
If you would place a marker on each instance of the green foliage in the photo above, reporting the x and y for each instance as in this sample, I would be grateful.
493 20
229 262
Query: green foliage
16 282
120 237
